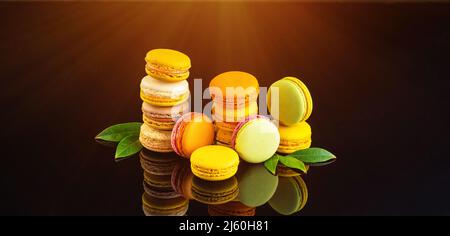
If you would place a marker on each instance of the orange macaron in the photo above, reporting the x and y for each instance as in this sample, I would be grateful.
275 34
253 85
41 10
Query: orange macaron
192 131
234 88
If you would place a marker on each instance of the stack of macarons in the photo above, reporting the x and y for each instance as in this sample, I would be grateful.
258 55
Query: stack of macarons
159 197
234 95
289 100
164 91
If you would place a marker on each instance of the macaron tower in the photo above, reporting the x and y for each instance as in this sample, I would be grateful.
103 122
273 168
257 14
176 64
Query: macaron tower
292 106
234 96
164 92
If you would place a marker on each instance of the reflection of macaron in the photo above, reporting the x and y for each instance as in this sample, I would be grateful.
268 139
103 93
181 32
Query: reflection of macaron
193 130
158 163
295 137
164 207
291 195
284 171
214 162
167 64
234 88
256 139
155 140
293 101
163 118
181 179
160 93
256 184
214 192
233 208
223 137
159 186
223 113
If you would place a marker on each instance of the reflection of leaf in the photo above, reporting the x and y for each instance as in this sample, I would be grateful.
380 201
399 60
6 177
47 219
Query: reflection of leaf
128 146
313 155
271 164
322 163
293 162
117 132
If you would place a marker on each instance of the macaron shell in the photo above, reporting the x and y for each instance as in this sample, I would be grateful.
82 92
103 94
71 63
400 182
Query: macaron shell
168 57
155 140
214 162
256 140
291 102
306 93
160 125
256 185
295 137
192 131
247 87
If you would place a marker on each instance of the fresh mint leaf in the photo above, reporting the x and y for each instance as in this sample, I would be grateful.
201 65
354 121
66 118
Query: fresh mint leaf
293 162
118 132
128 146
271 163
313 155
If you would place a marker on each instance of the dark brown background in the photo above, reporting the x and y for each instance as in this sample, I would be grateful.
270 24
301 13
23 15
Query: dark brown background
378 74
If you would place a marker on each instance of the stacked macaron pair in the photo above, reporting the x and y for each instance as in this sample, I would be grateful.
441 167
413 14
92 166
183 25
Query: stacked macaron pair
289 100
159 197
234 95
164 92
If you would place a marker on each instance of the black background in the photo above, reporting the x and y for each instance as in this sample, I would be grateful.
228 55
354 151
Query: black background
378 74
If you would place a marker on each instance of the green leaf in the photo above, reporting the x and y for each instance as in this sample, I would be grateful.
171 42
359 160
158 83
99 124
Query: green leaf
271 163
128 146
293 162
117 132
313 155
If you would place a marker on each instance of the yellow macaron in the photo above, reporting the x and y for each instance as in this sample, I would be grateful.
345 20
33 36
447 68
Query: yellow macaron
214 162
295 137
167 65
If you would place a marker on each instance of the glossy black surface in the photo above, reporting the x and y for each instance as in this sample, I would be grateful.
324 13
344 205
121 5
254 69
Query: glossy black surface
378 74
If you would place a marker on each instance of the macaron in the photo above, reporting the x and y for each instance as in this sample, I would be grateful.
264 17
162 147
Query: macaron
181 179
153 206
256 184
167 64
214 162
295 137
159 186
233 208
229 126
192 131
256 139
214 192
163 118
223 113
160 93
158 163
292 101
291 195
223 137
155 140
234 88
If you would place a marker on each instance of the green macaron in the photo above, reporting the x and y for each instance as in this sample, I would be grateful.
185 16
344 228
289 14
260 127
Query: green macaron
289 101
